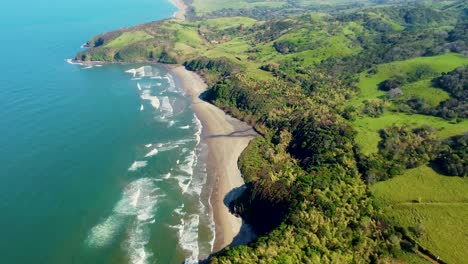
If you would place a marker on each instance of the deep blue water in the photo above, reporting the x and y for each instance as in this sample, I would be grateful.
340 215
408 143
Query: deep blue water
69 137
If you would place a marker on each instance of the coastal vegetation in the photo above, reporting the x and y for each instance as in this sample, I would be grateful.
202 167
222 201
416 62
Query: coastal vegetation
362 113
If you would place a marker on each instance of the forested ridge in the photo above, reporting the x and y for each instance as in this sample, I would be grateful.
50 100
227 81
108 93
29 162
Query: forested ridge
307 80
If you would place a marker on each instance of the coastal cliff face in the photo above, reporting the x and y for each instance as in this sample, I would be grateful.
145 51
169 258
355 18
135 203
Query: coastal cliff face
309 84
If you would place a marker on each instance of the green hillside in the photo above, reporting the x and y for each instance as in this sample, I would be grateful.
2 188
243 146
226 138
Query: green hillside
356 103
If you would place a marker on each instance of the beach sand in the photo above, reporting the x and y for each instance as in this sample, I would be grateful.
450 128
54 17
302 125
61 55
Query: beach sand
181 8
226 138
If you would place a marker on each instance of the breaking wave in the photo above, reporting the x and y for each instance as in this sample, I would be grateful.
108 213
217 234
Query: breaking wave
145 71
152 153
137 165
139 200
146 95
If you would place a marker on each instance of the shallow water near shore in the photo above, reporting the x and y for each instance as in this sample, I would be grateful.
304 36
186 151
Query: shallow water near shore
100 164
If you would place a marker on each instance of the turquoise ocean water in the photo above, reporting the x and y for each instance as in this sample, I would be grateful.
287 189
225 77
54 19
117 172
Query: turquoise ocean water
97 165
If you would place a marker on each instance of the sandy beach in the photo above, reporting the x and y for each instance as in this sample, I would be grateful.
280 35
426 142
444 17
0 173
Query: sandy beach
226 138
182 9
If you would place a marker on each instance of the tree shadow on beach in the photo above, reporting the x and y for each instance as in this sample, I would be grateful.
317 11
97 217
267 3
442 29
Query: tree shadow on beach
246 233
249 132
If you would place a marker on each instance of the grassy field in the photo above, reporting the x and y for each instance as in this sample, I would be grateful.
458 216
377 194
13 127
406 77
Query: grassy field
439 203
424 89
228 22
368 84
128 38
369 127
207 6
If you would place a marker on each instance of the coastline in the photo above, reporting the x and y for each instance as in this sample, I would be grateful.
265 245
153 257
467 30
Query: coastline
226 138
181 9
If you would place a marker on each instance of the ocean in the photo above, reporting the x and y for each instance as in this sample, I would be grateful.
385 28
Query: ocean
98 164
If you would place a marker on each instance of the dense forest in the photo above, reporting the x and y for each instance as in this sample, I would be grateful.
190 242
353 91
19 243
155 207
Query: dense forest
308 176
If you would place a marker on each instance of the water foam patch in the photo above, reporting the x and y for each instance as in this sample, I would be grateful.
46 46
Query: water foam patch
152 153
138 238
103 233
184 182
166 107
170 80
139 199
145 71
154 100
188 239
137 165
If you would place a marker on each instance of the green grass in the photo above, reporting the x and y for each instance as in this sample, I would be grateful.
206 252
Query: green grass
228 22
368 128
422 184
234 49
445 233
424 89
207 6
332 47
368 85
186 33
128 38
441 208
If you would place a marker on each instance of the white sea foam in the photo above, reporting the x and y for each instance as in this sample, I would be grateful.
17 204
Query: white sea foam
137 164
139 200
152 153
199 127
135 198
188 239
170 79
179 209
167 176
166 107
145 71
184 182
146 86
168 147
148 145
102 234
171 123
146 95
73 62
188 235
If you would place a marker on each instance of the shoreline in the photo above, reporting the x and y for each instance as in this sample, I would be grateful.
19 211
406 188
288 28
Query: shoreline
181 9
226 138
